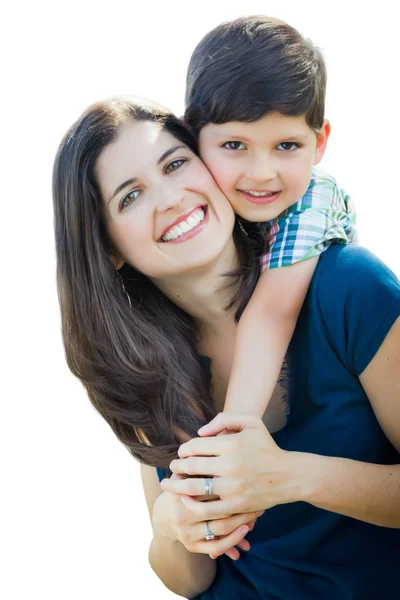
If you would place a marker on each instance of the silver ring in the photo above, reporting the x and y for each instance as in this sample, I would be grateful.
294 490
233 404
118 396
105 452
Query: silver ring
208 486
209 534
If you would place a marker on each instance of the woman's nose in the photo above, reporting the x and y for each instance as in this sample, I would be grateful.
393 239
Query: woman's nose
168 198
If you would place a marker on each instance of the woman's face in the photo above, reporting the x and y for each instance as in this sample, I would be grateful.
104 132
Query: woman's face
163 211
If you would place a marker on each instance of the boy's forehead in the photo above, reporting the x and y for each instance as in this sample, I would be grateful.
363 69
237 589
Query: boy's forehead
271 124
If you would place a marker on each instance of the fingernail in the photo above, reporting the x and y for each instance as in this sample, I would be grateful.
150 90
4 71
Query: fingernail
244 530
260 512
163 483
204 428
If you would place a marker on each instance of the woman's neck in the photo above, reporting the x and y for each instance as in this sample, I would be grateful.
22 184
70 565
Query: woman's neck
205 292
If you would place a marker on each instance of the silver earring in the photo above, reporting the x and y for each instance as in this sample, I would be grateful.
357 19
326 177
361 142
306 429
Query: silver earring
242 227
124 290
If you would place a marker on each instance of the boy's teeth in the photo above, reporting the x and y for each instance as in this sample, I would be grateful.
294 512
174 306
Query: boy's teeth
184 226
259 193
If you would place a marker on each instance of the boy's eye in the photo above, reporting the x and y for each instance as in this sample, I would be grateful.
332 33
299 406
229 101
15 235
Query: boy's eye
288 146
233 145
129 199
174 165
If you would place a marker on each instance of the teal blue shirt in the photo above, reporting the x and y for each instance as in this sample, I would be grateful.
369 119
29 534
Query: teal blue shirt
299 552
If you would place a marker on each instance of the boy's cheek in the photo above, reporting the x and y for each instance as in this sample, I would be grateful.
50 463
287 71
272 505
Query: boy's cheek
217 167
224 182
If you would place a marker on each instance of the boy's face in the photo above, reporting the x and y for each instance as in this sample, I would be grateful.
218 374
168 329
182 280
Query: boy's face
265 166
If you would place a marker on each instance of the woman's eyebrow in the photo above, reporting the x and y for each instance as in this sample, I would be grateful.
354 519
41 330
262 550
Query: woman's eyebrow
168 152
133 179
122 186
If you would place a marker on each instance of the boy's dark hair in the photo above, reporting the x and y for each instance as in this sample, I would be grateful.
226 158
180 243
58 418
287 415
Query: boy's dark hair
244 69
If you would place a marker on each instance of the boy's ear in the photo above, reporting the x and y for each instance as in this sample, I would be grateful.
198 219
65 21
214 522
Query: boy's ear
322 140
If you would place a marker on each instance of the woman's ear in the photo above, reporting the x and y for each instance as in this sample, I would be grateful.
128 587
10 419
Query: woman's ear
116 261
322 140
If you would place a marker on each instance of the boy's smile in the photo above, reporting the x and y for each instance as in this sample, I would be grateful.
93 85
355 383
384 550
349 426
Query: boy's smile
264 166
260 197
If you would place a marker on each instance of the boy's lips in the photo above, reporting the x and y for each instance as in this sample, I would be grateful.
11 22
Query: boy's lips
260 197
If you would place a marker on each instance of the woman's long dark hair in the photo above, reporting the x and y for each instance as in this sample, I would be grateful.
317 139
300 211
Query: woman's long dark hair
139 364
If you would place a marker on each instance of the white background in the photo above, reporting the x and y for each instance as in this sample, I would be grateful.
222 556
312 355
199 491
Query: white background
74 520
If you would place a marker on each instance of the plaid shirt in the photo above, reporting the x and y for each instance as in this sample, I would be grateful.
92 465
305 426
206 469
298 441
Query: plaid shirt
324 215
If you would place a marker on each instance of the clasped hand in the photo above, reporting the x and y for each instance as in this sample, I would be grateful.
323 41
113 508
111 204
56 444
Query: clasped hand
189 529
250 472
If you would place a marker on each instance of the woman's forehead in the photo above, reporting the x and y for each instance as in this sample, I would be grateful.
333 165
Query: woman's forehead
136 149
136 138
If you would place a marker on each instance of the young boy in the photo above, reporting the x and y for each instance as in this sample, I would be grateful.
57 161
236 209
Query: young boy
255 98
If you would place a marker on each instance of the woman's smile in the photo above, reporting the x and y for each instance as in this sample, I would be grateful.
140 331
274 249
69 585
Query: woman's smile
170 198
186 226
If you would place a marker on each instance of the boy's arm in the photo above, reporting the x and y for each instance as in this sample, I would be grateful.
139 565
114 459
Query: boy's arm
263 336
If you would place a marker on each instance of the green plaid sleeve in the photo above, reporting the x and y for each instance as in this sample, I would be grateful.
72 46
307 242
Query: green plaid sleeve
324 215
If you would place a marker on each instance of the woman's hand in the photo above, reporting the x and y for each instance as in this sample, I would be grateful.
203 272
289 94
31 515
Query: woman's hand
172 519
250 472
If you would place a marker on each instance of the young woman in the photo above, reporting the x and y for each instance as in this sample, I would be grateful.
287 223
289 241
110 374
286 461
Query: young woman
153 274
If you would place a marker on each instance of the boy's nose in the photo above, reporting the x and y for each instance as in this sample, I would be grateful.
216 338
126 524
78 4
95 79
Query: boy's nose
261 170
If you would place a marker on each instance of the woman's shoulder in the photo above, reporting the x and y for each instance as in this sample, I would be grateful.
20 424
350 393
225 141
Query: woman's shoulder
356 298
348 267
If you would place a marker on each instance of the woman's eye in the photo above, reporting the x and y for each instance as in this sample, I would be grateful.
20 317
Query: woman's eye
287 146
129 199
174 165
234 145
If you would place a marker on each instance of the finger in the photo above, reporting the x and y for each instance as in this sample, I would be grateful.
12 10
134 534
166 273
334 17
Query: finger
229 421
205 497
205 446
175 477
244 545
252 525
232 553
193 486
220 546
197 465
224 527
209 511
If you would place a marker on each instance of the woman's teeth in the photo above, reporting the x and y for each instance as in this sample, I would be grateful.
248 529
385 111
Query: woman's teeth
184 226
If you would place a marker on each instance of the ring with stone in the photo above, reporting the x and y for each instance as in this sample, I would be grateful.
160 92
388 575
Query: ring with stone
209 534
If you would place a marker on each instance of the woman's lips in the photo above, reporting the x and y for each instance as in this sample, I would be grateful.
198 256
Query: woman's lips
267 199
189 234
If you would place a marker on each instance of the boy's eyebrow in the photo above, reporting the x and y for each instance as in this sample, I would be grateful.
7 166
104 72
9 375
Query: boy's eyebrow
133 179
295 136
233 135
